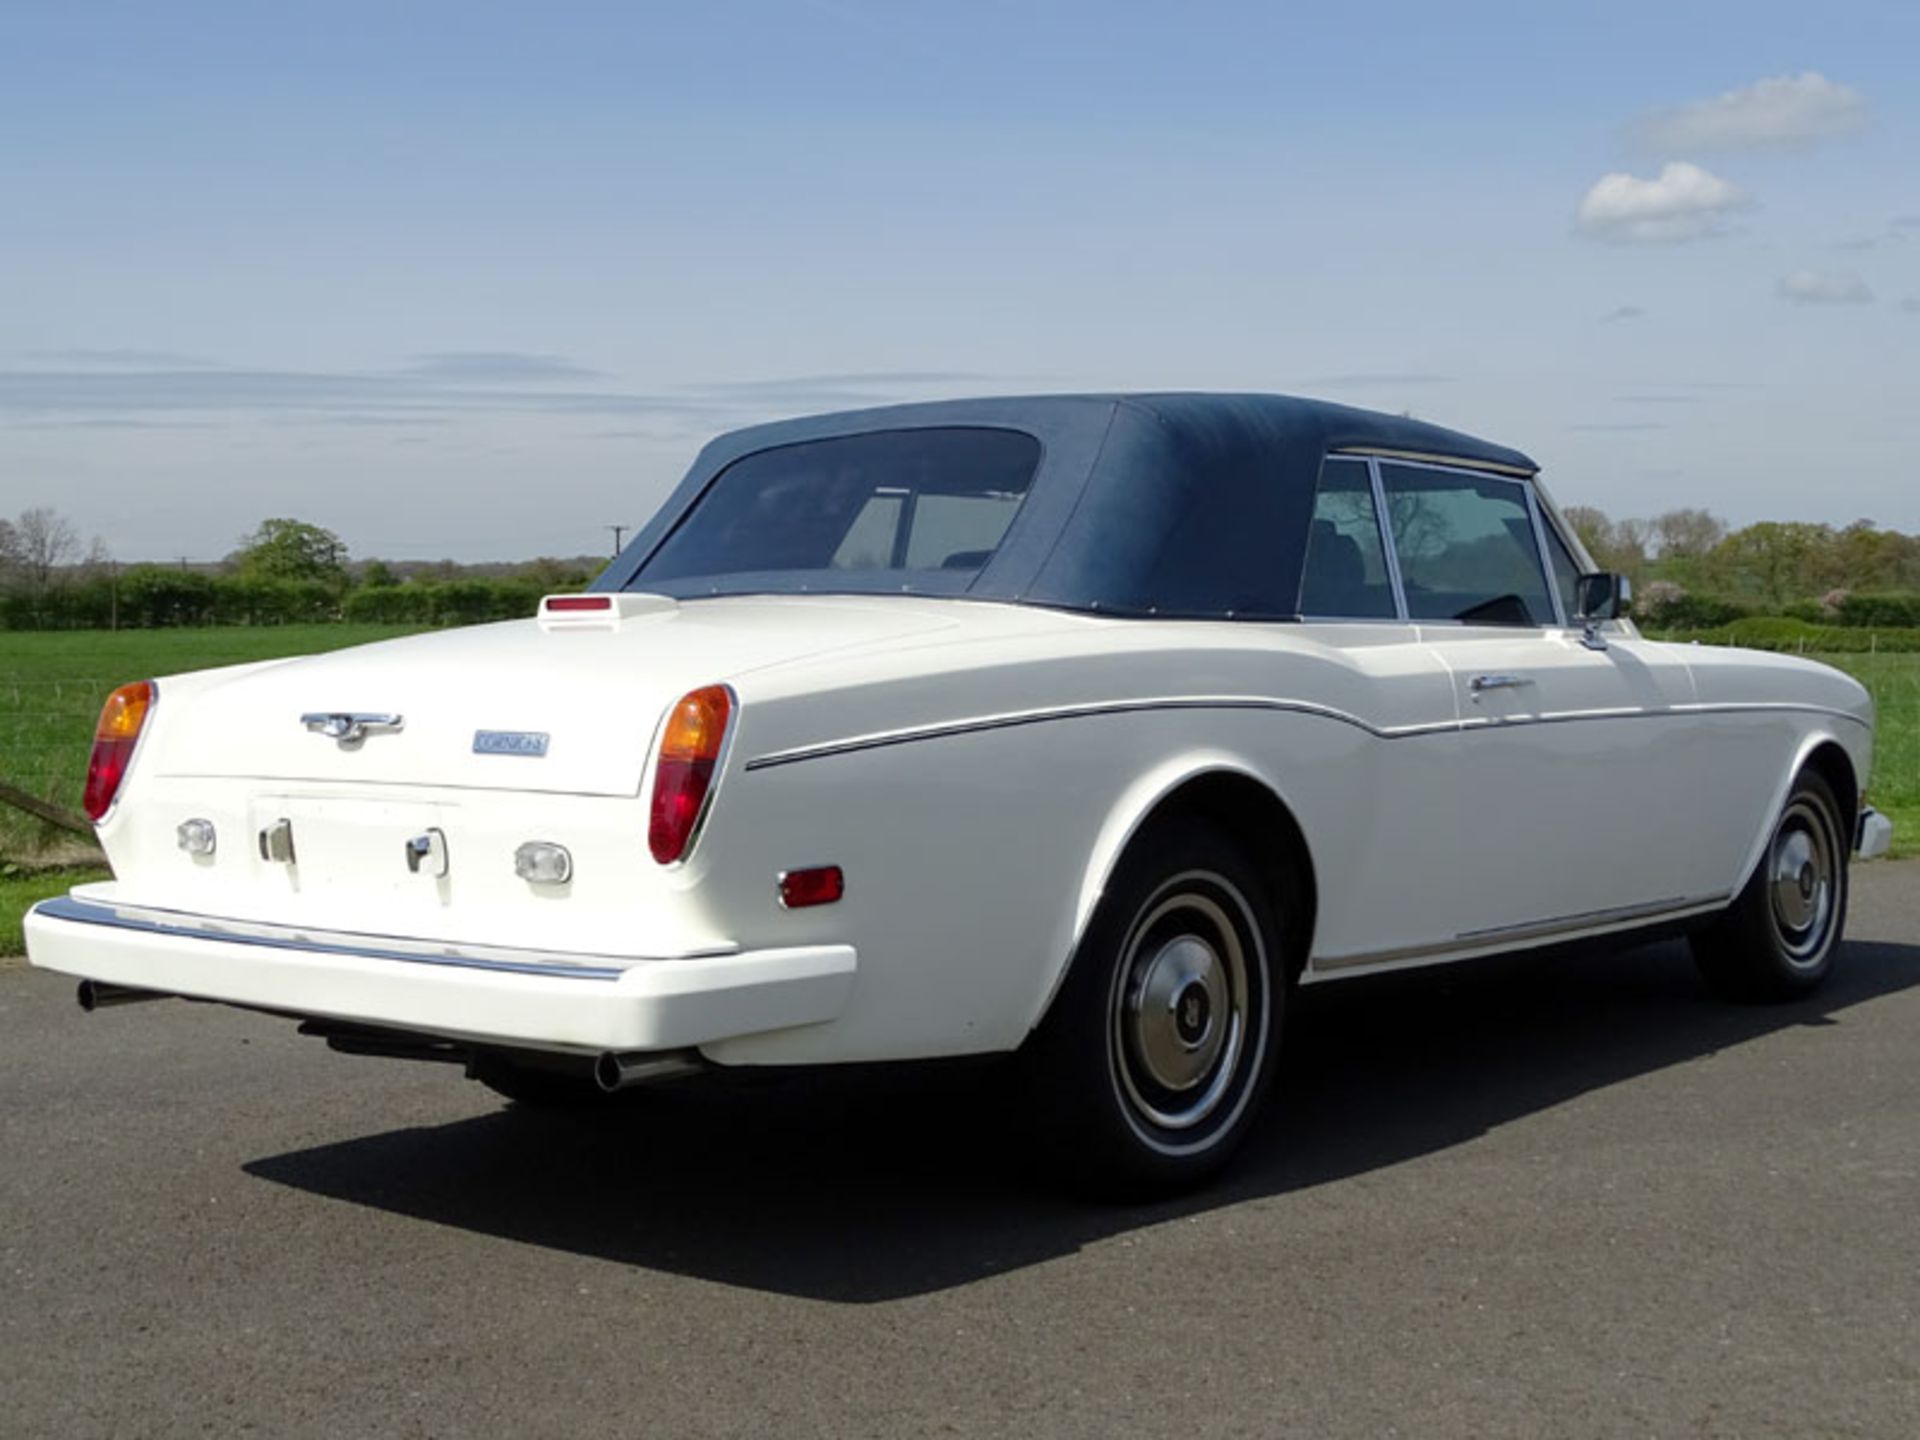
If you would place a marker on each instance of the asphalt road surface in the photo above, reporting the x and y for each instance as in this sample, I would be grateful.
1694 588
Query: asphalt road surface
1565 1199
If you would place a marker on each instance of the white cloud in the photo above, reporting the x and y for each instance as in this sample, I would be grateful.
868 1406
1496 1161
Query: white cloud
1911 304
1814 287
1780 110
1683 202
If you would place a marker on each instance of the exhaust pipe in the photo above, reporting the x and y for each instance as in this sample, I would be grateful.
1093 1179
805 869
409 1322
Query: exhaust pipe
616 1071
98 994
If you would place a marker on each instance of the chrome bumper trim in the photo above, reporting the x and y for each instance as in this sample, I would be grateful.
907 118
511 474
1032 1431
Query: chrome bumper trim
1872 835
365 947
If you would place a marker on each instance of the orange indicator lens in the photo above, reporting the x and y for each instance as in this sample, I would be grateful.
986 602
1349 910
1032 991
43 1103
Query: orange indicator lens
121 720
682 781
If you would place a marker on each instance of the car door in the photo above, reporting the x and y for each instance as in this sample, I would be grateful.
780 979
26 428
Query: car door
1563 773
1385 803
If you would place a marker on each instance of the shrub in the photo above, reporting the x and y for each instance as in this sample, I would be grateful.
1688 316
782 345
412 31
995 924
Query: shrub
1881 611
391 605
156 595
1655 600
1695 611
1779 632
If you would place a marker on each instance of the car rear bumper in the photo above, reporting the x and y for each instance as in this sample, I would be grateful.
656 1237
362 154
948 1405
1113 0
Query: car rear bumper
1875 834
524 999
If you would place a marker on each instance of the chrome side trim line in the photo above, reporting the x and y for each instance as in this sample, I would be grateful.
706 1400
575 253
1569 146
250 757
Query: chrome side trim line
1472 725
944 729
1528 932
1617 914
361 947
1737 707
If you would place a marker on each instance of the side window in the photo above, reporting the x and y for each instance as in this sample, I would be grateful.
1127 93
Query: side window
1345 574
1466 548
1566 570
958 531
869 541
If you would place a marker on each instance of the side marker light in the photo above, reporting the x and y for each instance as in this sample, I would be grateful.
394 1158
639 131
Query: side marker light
820 885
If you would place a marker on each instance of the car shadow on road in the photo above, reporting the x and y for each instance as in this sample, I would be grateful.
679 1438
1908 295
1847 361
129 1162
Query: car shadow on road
857 1188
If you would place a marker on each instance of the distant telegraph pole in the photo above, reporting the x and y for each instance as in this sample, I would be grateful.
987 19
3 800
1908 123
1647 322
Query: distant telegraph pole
619 535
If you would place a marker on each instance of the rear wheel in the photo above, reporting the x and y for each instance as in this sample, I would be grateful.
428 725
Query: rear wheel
1161 1044
1778 939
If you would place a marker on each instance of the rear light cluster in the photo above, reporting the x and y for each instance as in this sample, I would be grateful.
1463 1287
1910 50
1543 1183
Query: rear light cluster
121 720
690 750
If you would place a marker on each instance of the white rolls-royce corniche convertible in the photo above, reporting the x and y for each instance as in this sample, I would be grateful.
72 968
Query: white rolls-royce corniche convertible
1075 728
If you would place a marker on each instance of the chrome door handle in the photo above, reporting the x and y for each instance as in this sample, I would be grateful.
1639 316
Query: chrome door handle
1497 682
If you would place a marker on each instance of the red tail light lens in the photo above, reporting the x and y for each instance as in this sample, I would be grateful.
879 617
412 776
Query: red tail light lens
121 720
683 780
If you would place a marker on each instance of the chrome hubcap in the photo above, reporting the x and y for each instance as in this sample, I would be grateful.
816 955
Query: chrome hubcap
1180 1015
1173 1012
1801 866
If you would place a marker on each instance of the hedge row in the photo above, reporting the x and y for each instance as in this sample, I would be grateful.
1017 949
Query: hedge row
454 602
1891 611
1780 632
153 596
1698 611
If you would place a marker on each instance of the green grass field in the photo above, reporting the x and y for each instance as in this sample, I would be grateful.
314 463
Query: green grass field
19 893
52 684
1895 784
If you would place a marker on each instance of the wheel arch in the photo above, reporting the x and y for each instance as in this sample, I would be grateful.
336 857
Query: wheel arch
1822 752
1224 790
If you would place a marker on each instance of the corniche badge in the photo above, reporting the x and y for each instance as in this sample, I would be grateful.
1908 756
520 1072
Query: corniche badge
510 742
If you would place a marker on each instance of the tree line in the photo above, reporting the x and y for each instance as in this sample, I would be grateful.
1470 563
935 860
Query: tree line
285 572
1690 570
1693 571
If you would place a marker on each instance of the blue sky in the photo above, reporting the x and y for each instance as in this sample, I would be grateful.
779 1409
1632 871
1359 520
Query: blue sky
476 280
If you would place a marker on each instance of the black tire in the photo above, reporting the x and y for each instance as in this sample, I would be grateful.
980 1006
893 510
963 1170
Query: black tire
1778 939
1160 1046
541 1088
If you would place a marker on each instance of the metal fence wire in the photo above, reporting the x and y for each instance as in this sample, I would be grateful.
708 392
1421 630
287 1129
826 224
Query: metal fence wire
46 733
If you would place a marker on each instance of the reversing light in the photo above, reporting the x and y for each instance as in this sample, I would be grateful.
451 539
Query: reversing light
114 739
541 862
197 837
683 778
818 885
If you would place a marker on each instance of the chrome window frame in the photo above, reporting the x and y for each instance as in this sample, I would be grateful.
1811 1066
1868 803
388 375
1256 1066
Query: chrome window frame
1525 482
1546 559
1387 539
1551 527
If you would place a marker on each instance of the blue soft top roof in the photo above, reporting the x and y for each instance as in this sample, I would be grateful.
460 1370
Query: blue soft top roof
1173 504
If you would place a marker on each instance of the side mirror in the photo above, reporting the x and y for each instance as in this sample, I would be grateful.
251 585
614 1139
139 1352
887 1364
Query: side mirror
1602 597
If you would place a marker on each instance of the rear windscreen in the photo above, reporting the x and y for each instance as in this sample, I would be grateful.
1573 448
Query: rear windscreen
899 509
